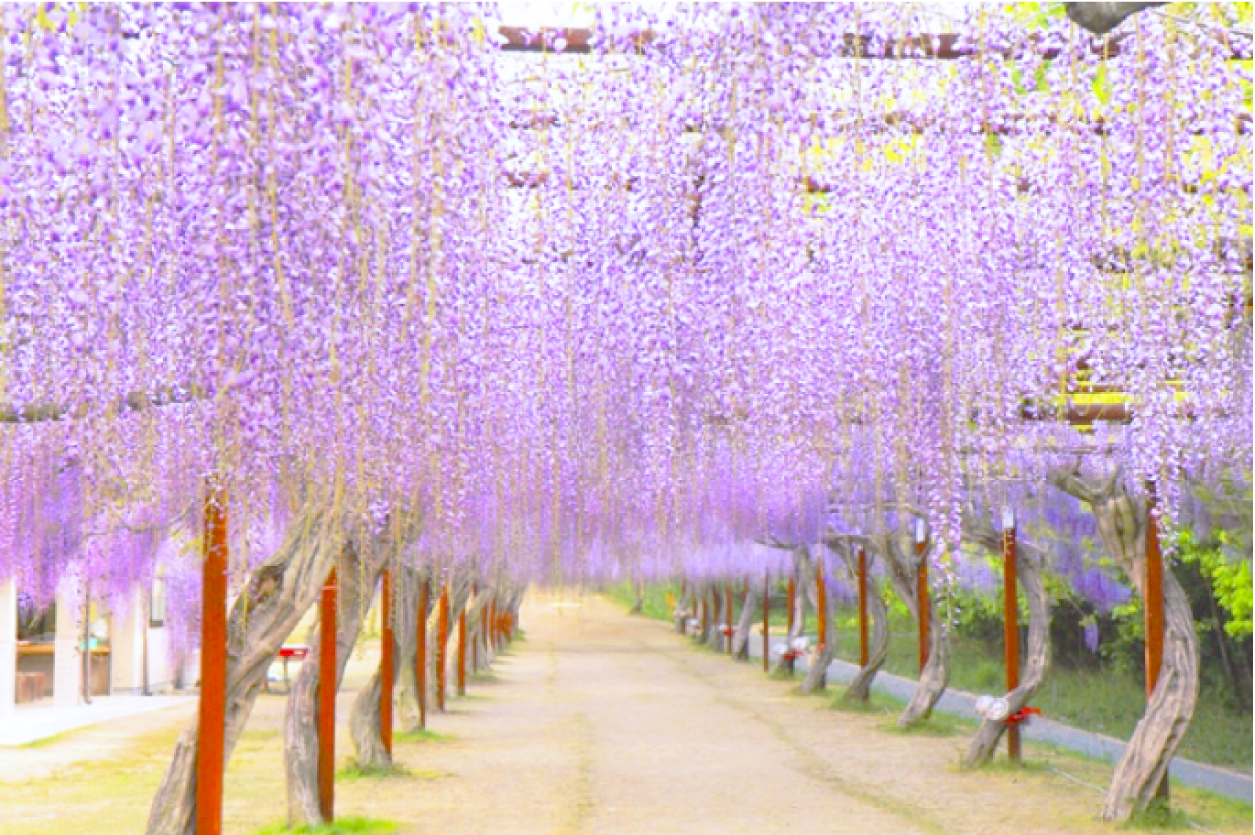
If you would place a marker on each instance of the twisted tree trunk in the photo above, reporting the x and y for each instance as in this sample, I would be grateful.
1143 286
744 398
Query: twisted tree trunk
277 594
718 617
1122 525
821 659
638 603
684 610
365 721
1028 563
784 665
356 578
878 647
933 679
749 608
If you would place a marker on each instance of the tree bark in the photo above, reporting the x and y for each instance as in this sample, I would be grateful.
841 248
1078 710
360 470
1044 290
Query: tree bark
821 659
718 617
638 603
749 610
935 676
277 594
1037 661
784 665
357 576
1144 765
684 609
878 645
364 717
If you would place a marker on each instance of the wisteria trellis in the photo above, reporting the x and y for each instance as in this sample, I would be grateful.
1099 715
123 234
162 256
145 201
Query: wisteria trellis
627 311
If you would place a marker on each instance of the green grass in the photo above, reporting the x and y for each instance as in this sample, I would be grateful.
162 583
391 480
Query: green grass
344 826
49 740
422 736
354 770
1106 702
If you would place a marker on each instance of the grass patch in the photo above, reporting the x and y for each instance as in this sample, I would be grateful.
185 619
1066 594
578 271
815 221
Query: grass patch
422 736
49 740
1102 701
344 826
353 770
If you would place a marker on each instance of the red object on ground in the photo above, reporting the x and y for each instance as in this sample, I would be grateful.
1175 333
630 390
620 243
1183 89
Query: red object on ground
293 651
1022 715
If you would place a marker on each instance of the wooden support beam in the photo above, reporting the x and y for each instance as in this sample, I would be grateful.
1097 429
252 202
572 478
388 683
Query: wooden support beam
420 654
387 661
211 732
821 603
862 607
442 644
766 617
921 593
1154 617
327 699
1010 625
462 652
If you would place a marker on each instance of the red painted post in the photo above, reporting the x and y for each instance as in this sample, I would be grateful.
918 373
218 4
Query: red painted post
821 603
766 615
862 607
921 591
462 653
327 700
211 742
475 643
1010 624
1154 612
442 643
420 656
792 592
386 661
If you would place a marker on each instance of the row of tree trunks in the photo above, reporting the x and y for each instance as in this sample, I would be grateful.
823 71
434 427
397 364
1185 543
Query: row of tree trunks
278 593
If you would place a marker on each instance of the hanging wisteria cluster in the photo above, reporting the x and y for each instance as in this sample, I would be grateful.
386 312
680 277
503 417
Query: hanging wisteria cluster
720 278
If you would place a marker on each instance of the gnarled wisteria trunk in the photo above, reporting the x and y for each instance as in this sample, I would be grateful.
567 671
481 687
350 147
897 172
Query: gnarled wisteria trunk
1037 658
745 624
878 643
277 595
365 718
356 577
801 563
1122 525
903 574
821 657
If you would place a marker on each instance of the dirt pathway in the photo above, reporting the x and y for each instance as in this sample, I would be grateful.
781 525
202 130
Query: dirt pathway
596 722
601 723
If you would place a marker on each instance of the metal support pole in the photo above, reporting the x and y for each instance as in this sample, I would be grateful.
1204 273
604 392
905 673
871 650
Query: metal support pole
386 661
211 733
327 700
1010 624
